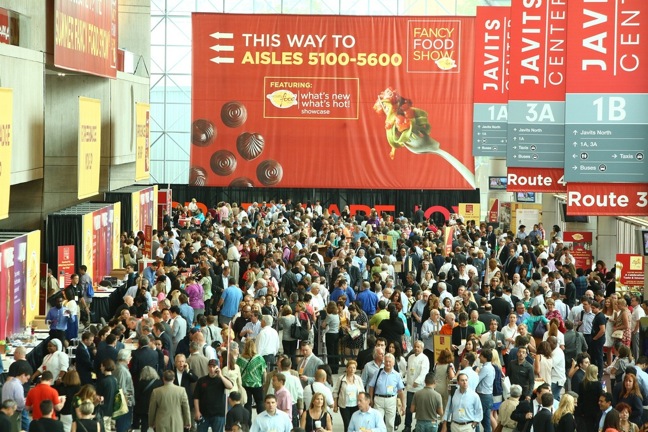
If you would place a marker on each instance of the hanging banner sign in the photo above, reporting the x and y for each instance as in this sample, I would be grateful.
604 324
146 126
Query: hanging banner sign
580 243
301 89
85 36
611 199
607 92
89 147
536 129
490 111
535 180
142 140
6 143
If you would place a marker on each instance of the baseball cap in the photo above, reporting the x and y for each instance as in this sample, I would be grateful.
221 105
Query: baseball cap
212 362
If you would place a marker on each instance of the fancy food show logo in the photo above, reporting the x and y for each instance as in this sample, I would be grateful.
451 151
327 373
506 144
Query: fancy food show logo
433 46
283 98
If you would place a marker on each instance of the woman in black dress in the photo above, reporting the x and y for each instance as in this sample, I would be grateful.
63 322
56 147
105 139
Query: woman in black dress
563 418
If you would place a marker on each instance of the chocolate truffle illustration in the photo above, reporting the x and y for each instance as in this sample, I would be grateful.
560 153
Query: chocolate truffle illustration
197 176
250 145
269 172
233 114
223 162
241 182
203 132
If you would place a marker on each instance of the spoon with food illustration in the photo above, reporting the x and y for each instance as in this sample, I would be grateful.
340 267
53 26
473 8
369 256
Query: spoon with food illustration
407 126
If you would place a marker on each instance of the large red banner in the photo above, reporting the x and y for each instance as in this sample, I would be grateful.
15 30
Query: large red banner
85 36
332 102
492 67
538 35
604 49
607 199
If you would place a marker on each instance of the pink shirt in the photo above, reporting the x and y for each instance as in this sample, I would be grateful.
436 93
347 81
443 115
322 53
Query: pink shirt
284 401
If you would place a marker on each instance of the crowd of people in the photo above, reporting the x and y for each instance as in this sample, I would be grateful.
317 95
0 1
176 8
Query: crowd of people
281 317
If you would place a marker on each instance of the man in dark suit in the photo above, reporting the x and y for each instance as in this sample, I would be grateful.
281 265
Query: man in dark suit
183 376
501 307
220 284
83 358
487 316
143 356
542 420
105 351
161 334
525 410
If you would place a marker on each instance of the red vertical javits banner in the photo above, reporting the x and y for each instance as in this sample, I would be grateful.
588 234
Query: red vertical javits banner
332 102
607 100
85 36
65 264
536 122
581 247
490 112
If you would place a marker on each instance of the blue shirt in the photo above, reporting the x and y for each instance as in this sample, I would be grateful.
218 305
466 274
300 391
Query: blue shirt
149 274
187 313
386 383
369 301
232 297
486 379
338 292
371 419
58 319
280 422
465 407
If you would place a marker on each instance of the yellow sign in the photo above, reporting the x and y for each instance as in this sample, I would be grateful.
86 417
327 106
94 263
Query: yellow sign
441 342
6 139
33 276
142 141
470 211
89 147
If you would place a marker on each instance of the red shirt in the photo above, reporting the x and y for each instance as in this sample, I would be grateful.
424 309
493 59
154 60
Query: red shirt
38 394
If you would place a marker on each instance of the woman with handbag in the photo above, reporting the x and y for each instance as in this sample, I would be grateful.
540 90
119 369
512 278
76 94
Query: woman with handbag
356 331
345 393
622 328
253 369
288 341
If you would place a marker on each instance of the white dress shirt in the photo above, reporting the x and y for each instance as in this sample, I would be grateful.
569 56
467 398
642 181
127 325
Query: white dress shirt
417 367
267 341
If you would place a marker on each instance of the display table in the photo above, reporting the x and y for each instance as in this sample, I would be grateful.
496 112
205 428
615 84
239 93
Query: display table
35 351
106 301
101 304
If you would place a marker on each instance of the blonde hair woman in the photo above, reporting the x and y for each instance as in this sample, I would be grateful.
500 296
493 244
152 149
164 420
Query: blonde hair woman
317 412
563 418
